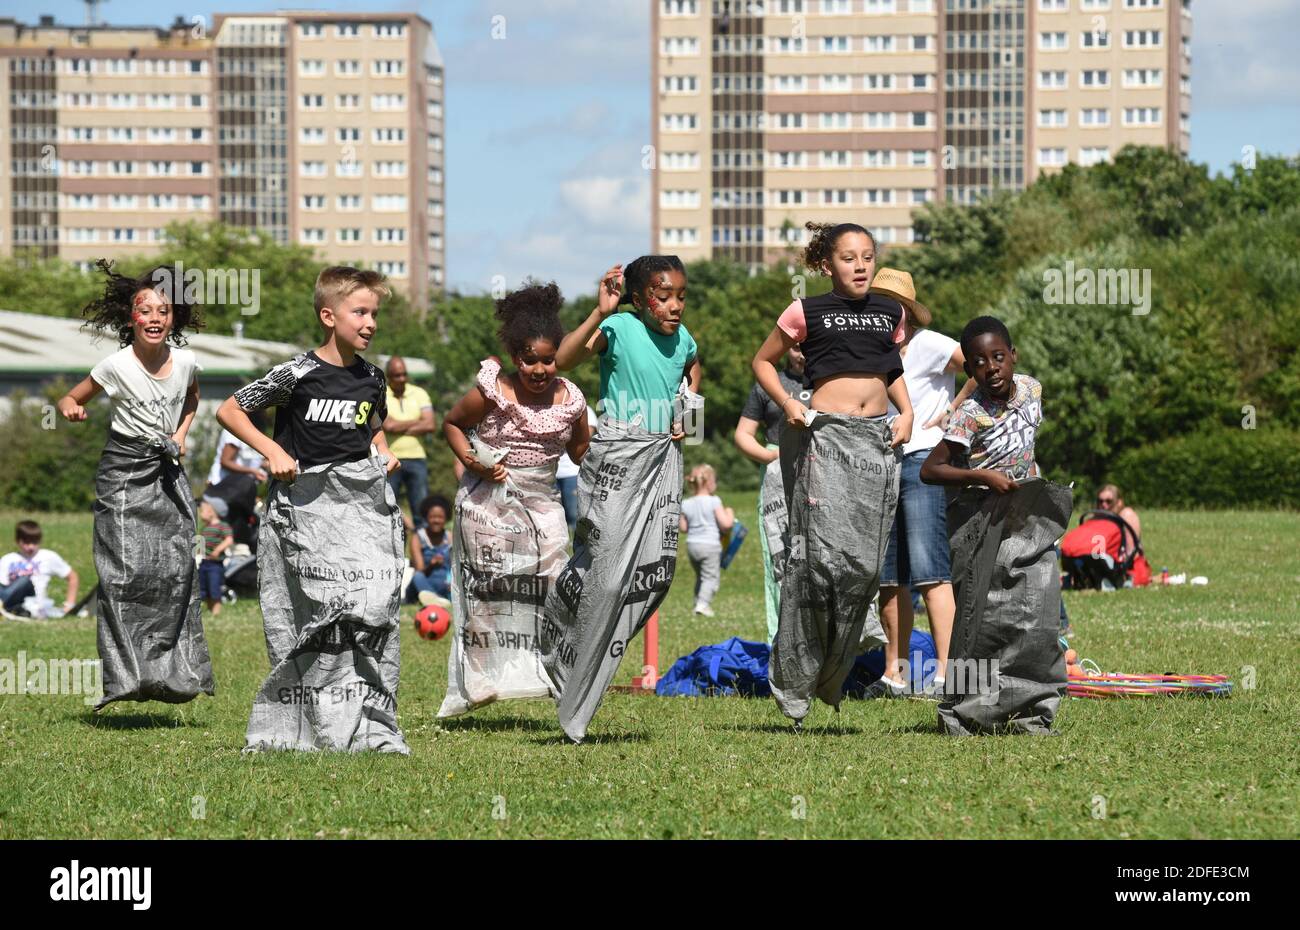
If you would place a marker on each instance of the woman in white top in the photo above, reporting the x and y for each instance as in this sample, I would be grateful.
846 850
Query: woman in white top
918 556
151 644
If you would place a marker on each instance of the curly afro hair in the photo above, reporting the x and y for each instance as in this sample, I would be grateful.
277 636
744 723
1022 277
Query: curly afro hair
982 326
824 238
530 313
112 311
640 272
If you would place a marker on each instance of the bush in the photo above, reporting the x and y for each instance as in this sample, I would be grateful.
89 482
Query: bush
47 463
1217 468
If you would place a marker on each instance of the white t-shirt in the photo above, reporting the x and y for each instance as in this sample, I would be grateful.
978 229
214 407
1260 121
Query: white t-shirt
566 467
41 567
701 519
144 406
245 455
930 388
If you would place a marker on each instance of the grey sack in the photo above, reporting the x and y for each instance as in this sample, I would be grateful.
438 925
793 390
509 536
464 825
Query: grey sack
773 522
1007 669
330 562
625 553
150 630
841 485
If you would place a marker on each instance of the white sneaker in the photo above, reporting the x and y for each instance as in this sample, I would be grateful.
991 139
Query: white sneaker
885 688
704 609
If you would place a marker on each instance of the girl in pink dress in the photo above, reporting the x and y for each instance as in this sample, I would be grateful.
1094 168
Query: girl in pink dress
510 538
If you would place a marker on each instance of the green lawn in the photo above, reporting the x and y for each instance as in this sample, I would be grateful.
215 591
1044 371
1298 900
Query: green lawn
720 767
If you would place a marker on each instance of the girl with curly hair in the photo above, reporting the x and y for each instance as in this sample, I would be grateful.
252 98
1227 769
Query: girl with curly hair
510 538
151 644
839 466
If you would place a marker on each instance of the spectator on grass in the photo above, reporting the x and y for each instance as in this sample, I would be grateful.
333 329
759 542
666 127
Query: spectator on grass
1109 499
27 572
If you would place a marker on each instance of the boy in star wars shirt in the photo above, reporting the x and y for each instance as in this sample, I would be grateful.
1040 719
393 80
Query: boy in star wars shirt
1002 528
330 547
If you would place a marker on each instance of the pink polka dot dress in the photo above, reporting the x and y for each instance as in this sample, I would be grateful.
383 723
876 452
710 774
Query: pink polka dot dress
535 434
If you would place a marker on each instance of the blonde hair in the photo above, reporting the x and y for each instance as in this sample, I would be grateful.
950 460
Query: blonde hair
700 476
337 282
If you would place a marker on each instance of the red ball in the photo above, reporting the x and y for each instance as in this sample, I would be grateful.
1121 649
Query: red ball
432 622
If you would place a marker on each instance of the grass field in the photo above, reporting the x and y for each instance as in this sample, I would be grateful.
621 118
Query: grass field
716 767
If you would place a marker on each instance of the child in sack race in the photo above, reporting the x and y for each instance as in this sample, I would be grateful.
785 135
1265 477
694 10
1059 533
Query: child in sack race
329 554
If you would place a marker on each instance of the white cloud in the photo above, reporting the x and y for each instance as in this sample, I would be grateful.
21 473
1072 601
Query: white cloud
604 201
1243 54
598 215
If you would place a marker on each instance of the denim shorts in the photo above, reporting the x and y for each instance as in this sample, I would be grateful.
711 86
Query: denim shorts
917 554
212 577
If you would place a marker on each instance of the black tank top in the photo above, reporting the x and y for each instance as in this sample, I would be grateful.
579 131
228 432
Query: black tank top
847 336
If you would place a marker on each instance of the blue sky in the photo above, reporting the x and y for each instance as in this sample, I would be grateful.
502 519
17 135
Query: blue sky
545 127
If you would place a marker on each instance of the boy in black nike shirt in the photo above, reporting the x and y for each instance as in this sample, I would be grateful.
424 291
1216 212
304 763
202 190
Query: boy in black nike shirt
331 402
330 551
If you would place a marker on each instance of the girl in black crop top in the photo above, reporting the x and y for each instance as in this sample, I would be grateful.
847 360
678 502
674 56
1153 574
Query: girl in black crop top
845 332
839 472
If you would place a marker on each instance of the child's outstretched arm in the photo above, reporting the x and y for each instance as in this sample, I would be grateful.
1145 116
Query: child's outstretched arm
71 405
938 469
467 414
746 439
73 584
777 343
232 417
585 341
725 516
580 440
187 414
902 425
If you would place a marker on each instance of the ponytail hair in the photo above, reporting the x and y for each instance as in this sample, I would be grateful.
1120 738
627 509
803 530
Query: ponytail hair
530 313
638 274
701 475
821 245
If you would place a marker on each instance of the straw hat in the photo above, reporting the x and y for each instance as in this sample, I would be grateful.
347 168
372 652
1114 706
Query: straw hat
898 285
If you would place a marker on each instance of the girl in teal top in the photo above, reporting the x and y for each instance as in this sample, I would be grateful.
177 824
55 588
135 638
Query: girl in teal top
630 485
643 355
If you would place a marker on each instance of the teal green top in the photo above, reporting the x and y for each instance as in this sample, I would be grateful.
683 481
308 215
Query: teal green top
641 370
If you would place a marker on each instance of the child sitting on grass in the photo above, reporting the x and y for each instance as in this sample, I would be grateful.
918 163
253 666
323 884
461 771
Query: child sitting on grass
27 572
704 520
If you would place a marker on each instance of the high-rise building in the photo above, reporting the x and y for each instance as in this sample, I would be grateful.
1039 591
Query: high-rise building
319 128
770 113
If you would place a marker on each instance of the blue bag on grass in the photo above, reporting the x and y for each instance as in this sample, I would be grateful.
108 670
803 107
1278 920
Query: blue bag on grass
739 666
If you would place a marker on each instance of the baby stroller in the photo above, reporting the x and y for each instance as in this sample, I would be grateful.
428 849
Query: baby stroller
1103 553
